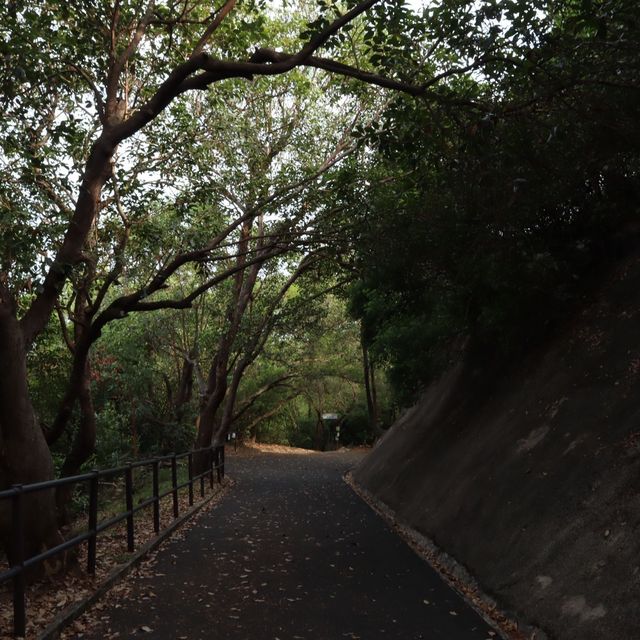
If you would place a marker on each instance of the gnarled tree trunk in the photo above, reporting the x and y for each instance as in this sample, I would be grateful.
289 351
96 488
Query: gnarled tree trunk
217 380
24 454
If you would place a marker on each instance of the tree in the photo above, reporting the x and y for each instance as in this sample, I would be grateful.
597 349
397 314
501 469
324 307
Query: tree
121 76
116 85
310 365
479 225
255 337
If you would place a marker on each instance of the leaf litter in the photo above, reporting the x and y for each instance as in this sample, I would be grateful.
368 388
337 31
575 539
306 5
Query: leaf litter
54 594
510 628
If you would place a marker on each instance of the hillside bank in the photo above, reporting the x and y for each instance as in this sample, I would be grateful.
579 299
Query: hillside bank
530 475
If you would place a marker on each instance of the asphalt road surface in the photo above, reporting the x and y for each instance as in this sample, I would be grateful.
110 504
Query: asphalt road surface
291 553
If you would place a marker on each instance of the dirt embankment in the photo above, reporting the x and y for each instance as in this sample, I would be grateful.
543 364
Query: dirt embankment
531 478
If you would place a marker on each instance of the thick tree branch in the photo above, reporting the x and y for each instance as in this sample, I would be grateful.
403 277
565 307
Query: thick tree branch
269 55
179 80
120 307
118 266
97 168
70 252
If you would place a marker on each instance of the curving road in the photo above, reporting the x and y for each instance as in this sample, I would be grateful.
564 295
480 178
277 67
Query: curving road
291 553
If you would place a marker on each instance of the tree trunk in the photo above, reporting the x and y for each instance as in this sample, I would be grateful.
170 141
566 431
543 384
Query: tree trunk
77 382
229 403
84 445
253 348
370 389
377 429
217 380
79 385
79 389
185 387
216 390
24 454
319 439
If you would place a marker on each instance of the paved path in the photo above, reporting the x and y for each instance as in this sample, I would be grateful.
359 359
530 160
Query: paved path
292 553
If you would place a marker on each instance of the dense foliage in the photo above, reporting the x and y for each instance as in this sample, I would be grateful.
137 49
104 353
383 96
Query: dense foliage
481 222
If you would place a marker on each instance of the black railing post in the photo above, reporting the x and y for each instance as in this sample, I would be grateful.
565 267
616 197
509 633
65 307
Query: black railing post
210 456
174 484
222 459
156 499
128 482
19 606
190 459
93 523
217 461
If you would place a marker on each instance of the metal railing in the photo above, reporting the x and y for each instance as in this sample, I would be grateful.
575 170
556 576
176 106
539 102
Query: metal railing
17 494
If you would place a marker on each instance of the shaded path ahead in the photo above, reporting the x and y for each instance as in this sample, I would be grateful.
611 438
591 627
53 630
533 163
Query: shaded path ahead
292 553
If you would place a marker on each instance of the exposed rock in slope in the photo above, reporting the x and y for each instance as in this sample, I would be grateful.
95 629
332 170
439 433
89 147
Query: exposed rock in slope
531 477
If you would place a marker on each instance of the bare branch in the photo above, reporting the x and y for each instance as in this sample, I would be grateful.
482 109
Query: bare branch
54 195
65 330
134 302
247 404
118 63
272 411
221 14
96 93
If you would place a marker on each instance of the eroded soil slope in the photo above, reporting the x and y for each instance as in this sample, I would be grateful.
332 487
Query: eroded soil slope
531 476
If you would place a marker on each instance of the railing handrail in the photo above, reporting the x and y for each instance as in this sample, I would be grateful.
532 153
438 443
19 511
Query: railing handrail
83 477
17 493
